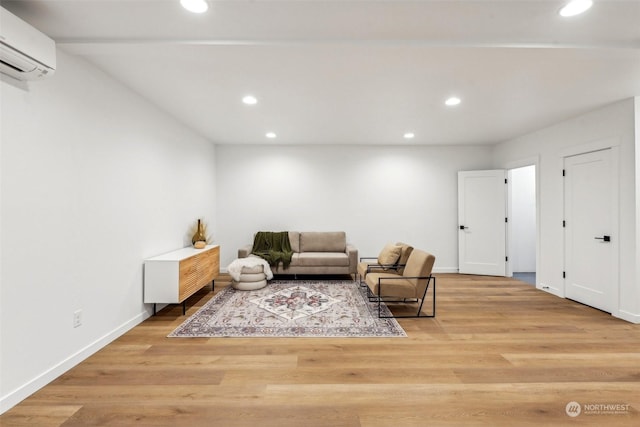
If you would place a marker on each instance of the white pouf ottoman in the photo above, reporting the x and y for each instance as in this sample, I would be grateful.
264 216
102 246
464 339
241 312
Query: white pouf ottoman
251 278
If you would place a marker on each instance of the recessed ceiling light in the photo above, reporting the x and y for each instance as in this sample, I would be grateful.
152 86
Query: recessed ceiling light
195 6
576 7
409 135
250 100
270 135
452 101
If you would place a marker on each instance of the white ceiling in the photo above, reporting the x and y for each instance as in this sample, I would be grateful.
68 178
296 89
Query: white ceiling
356 72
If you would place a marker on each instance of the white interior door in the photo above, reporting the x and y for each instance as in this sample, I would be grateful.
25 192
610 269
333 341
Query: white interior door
481 220
590 205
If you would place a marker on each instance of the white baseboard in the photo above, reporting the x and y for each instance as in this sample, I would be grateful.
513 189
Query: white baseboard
445 270
629 317
18 395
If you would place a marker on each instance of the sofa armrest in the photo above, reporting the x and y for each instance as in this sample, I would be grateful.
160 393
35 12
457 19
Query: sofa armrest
245 251
352 253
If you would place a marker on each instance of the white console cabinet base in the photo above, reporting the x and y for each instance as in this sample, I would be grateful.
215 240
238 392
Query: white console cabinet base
173 277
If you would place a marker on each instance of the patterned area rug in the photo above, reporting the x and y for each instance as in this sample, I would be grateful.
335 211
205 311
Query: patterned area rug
291 308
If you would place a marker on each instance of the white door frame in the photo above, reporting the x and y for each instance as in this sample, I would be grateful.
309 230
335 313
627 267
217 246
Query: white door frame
603 144
529 161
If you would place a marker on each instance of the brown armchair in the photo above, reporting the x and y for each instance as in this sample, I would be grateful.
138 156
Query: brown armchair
410 287
392 259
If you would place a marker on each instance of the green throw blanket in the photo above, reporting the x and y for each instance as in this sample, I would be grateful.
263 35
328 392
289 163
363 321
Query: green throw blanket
273 247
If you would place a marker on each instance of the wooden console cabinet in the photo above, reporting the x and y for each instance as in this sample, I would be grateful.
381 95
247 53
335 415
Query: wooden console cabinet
173 277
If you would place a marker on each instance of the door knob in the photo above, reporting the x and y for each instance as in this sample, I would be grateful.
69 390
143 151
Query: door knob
604 238
462 227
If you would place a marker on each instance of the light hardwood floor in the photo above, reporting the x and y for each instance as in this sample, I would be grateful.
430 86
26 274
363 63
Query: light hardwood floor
499 353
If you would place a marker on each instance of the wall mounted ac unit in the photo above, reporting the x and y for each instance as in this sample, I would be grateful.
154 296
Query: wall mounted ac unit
25 53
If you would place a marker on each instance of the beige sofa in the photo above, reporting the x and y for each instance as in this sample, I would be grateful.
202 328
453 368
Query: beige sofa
316 252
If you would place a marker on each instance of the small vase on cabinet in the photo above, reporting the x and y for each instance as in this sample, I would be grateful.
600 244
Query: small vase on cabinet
199 238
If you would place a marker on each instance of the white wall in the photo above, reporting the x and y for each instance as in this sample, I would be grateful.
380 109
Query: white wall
613 124
636 293
522 218
94 180
375 194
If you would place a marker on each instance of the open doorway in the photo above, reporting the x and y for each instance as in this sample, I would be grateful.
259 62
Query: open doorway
521 234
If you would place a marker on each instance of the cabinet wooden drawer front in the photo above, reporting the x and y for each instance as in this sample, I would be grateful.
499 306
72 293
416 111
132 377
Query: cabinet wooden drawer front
188 288
209 265
204 278
188 278
207 268
188 266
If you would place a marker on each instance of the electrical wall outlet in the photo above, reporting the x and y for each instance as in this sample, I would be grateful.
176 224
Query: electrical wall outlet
77 318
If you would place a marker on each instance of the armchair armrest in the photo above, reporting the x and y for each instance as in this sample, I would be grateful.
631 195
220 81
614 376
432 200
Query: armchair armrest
380 279
385 267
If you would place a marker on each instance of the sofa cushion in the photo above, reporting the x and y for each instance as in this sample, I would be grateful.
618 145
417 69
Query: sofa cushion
404 256
392 285
389 255
308 259
420 263
318 241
